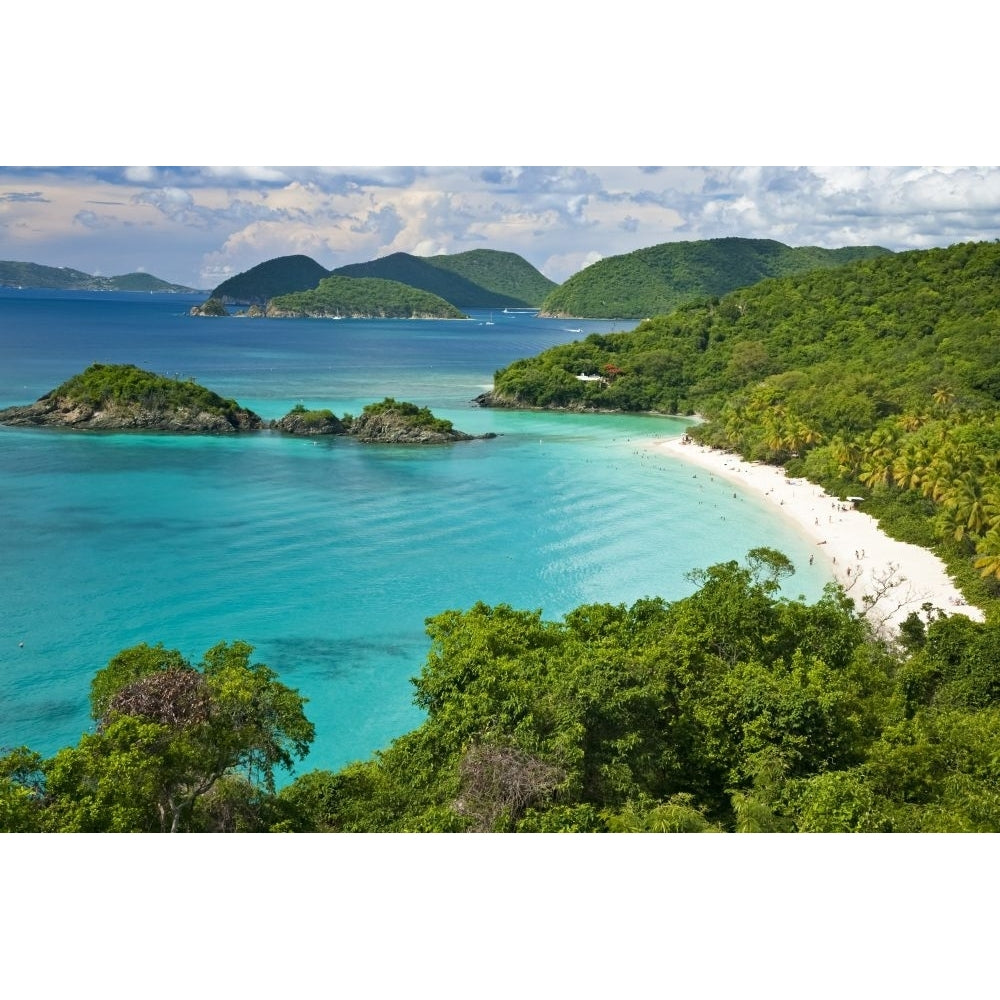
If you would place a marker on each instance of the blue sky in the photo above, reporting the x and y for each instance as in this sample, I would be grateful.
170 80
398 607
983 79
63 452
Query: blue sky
198 225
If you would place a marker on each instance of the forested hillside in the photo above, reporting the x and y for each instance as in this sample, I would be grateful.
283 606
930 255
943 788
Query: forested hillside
362 297
279 276
881 377
484 279
17 273
658 279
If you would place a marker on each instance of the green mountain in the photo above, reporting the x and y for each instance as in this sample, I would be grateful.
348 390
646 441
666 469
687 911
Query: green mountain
658 279
279 276
16 273
338 296
483 279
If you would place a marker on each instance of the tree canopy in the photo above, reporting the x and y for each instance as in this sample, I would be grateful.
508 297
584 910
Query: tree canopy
170 739
736 708
661 278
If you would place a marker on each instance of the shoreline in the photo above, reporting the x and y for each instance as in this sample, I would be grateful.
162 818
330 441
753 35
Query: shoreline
886 578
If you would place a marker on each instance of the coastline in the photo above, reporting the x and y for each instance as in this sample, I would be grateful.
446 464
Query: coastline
886 578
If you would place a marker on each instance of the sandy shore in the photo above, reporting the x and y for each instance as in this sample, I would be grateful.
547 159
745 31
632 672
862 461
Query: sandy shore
888 577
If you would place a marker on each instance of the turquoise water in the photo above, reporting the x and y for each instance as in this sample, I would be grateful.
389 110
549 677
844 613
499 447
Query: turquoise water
326 556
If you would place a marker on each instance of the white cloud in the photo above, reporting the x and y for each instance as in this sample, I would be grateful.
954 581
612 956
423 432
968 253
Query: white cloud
190 223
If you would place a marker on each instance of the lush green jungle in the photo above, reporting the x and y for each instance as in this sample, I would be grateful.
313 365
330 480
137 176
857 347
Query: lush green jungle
660 278
881 378
734 709
363 297
26 275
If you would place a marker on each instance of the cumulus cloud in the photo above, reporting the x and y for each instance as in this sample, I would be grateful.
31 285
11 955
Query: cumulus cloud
220 220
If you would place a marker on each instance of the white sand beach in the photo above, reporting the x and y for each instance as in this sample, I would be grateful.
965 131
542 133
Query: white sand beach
891 578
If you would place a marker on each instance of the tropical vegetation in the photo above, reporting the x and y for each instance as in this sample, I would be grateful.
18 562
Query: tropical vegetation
733 709
338 296
880 378
124 385
661 278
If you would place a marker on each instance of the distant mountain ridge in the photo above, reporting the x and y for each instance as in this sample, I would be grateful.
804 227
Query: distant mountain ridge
484 279
278 276
656 280
17 273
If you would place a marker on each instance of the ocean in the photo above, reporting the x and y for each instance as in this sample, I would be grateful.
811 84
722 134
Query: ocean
327 556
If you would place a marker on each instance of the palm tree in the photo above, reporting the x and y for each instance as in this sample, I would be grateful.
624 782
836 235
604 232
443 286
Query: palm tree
965 501
988 549
908 468
943 397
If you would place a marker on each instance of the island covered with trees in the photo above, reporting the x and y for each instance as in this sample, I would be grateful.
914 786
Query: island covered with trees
23 274
126 398
361 298
486 279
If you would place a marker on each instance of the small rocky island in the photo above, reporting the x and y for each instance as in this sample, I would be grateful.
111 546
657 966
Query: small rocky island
388 422
126 398
123 397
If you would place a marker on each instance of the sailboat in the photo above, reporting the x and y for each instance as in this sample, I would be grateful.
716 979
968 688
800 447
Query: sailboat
489 322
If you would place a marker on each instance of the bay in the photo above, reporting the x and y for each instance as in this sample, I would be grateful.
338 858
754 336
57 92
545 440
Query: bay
326 556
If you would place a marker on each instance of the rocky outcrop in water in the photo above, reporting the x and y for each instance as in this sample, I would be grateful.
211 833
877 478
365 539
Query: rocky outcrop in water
126 398
58 411
309 423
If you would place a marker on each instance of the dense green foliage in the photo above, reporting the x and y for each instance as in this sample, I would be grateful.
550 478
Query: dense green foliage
660 278
125 384
881 378
294 273
26 275
419 416
475 279
734 709
175 747
363 297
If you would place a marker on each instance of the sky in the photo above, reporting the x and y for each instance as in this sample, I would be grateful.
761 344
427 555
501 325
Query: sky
199 225
511 90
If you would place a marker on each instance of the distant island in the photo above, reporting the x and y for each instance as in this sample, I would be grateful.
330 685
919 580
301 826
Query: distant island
126 398
484 279
361 298
656 280
475 279
21 274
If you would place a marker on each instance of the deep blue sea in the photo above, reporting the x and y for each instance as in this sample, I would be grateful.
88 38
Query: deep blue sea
326 556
